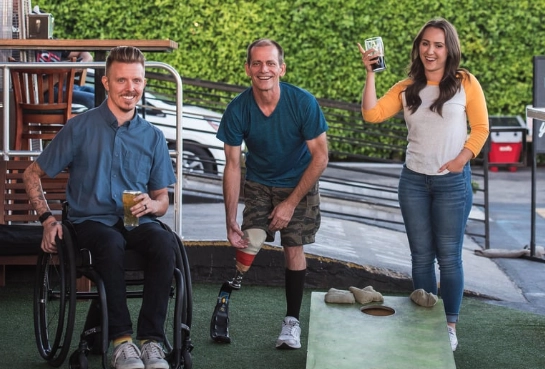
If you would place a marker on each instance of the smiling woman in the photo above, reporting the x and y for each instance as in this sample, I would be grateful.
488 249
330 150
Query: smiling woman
435 192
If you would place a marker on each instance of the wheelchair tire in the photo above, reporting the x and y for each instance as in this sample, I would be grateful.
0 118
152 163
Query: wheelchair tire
55 301
177 325
173 324
187 312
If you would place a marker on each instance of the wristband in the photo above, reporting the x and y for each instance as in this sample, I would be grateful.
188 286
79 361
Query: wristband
44 216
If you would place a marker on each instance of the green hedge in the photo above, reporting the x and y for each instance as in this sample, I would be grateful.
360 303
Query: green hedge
499 38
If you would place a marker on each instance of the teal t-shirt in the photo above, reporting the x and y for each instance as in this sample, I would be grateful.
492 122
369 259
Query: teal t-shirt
277 152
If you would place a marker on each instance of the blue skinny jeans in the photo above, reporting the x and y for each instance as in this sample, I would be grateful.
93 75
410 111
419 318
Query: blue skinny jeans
435 209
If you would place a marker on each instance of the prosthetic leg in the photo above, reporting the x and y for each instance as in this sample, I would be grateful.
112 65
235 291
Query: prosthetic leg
219 324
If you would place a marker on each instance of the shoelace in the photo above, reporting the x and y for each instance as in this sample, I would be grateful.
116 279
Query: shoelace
153 351
287 328
130 350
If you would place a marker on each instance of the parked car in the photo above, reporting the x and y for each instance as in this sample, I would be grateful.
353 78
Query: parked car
202 151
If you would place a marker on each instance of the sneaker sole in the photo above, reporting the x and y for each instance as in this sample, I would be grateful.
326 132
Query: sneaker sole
285 346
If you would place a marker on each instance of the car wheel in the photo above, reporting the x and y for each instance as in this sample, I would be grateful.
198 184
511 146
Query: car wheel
196 159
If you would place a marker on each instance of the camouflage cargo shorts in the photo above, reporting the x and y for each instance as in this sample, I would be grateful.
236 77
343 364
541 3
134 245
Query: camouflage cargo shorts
260 201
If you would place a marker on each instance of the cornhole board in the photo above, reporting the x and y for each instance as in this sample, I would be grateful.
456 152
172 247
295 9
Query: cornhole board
342 336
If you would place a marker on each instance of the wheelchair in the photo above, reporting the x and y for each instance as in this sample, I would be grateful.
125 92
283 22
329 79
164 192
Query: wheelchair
55 297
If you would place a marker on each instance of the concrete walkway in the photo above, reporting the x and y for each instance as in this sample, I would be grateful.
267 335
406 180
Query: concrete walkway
512 282
384 250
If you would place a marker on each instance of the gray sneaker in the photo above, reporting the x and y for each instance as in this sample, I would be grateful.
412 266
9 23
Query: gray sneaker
127 356
153 356
290 336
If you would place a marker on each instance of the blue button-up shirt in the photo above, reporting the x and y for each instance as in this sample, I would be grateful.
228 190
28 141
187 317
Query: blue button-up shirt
104 160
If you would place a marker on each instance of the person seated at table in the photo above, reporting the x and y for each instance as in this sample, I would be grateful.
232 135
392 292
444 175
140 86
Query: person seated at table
81 95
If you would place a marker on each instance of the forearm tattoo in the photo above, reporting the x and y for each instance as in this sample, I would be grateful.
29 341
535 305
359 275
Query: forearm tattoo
33 187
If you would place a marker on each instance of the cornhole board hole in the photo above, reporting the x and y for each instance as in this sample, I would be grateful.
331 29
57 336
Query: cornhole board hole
394 334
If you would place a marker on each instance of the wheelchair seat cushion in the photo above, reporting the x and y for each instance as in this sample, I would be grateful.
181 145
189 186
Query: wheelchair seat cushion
20 239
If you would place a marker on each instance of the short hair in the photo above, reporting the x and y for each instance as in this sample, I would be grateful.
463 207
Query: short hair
124 54
265 42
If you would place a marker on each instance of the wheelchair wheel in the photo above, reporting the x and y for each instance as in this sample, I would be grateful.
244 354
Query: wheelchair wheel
187 316
173 323
178 344
55 301
187 309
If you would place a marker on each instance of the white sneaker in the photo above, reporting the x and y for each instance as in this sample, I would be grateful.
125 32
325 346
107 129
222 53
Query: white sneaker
290 336
453 338
127 356
153 356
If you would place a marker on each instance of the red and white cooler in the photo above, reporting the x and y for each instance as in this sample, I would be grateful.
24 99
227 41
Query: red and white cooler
505 145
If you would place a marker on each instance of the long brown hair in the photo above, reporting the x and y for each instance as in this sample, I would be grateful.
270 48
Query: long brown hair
451 81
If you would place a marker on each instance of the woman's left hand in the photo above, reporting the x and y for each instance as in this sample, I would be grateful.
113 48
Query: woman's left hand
457 164
453 166
367 58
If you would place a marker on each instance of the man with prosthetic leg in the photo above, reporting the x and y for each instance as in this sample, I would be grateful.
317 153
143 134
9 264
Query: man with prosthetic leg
285 134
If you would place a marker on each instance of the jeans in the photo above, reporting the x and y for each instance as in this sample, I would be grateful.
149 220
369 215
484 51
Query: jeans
107 246
84 95
435 210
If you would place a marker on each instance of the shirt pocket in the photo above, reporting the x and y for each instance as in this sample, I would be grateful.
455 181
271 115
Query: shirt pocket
136 167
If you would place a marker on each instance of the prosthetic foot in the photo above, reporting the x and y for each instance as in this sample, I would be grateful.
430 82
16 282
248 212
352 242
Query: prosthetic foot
219 325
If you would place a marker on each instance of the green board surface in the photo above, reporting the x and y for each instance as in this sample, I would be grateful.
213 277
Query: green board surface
342 336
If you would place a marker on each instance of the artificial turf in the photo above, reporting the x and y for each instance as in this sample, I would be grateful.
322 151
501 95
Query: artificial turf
491 336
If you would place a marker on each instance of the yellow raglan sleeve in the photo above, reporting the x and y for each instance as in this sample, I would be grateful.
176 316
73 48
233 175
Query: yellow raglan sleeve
477 114
387 106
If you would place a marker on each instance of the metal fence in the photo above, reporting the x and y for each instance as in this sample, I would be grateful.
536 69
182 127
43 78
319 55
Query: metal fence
360 182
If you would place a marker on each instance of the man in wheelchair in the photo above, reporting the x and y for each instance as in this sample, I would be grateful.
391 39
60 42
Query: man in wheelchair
107 150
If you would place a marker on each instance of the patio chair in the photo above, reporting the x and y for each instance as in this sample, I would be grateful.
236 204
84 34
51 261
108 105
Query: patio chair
43 103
